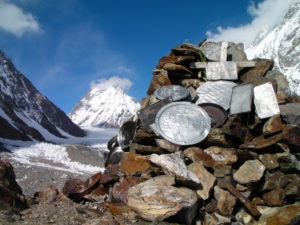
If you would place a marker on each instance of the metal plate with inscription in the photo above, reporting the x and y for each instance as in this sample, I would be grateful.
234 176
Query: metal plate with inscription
265 101
183 123
218 92
241 99
177 92
221 71
147 114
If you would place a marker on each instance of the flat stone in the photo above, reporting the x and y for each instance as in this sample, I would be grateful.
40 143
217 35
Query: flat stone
155 199
274 180
120 189
225 201
290 113
132 163
273 125
166 145
275 197
222 156
206 178
269 160
215 219
251 171
173 164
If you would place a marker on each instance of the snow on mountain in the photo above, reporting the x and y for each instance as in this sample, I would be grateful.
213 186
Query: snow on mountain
104 108
25 113
282 44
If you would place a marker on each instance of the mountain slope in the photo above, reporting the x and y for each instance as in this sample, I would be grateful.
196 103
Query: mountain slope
25 113
104 108
282 44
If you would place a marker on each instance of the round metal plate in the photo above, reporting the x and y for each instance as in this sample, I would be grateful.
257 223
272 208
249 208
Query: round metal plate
182 123
126 134
177 92
216 113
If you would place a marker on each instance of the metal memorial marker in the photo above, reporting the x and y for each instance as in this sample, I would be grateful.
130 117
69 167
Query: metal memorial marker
217 92
147 114
183 123
177 92
241 99
221 71
265 101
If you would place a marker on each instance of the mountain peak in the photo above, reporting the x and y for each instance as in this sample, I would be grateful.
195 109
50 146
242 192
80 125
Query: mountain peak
109 107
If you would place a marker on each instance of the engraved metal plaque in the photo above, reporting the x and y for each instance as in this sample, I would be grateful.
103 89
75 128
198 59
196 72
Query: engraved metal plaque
241 99
218 92
221 71
183 123
177 92
265 101
147 114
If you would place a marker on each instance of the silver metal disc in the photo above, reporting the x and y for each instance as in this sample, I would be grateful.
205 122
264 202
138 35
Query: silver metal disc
183 123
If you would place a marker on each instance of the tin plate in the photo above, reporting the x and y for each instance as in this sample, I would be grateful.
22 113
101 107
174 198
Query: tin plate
183 123
221 71
177 92
265 101
218 92
147 114
211 50
216 113
126 134
241 99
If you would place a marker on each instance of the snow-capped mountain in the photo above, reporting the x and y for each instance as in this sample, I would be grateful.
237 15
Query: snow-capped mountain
104 108
282 44
25 113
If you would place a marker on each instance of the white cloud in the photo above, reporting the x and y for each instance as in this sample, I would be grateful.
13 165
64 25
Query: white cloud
265 16
15 21
114 81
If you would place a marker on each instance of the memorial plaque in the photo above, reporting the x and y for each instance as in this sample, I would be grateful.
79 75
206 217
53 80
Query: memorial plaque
211 50
218 92
126 134
183 123
265 101
216 113
221 71
147 114
241 99
177 92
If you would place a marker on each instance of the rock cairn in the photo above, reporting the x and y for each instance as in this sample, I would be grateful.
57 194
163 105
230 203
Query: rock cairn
244 171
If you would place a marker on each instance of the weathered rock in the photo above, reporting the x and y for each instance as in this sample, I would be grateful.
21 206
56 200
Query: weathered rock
156 200
206 178
225 201
48 193
273 125
285 215
269 160
288 162
244 218
250 171
146 149
290 113
275 197
215 219
174 165
180 60
133 163
168 146
120 189
274 180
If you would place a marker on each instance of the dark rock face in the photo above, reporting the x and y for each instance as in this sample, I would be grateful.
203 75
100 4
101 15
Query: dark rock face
21 102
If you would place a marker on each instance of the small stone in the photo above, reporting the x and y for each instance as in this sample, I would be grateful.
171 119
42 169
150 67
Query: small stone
222 170
225 201
132 163
269 160
250 171
215 219
275 197
245 218
206 178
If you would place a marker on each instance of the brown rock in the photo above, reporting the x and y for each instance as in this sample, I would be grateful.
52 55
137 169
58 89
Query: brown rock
120 189
145 149
132 163
181 60
250 171
275 197
206 178
225 201
215 218
269 160
158 80
273 125
48 193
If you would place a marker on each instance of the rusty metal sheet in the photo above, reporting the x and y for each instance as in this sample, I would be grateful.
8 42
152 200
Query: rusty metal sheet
265 101
147 114
221 71
241 99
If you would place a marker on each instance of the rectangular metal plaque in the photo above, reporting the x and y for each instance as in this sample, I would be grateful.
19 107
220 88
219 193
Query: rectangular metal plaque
221 71
265 101
147 114
241 98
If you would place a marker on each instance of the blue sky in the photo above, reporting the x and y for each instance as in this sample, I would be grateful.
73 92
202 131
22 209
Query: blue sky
66 46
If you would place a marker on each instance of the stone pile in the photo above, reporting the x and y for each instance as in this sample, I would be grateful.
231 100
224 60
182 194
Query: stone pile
245 170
